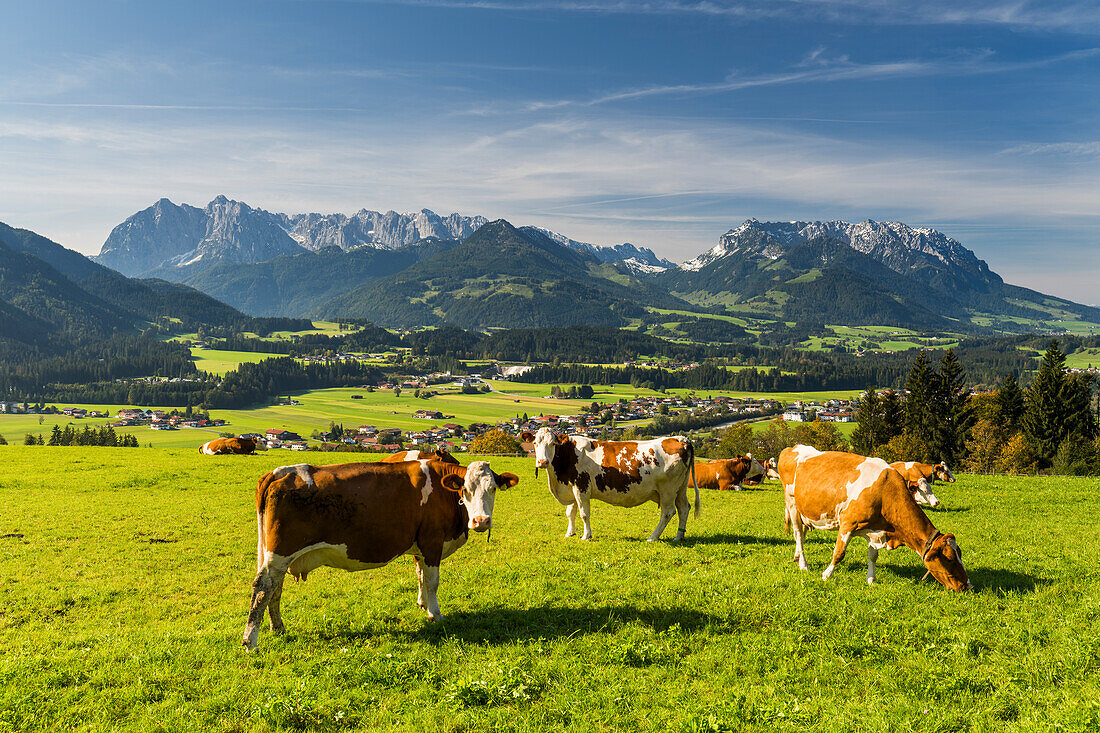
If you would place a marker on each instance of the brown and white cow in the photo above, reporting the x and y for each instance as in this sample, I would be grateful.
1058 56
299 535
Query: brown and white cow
921 477
623 473
862 497
357 516
420 455
228 446
729 473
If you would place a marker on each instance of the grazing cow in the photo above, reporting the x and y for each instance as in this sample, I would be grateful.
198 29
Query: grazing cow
421 455
728 473
357 516
862 497
921 476
623 473
227 446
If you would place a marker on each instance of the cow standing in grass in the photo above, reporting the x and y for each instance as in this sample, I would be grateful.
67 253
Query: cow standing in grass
921 477
357 516
862 497
623 473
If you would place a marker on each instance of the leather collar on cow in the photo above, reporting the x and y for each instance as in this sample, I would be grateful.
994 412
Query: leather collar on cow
928 549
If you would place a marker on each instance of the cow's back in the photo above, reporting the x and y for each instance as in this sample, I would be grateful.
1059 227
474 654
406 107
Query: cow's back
826 482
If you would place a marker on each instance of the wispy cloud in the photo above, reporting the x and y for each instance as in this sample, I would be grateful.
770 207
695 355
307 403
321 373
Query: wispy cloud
817 68
1077 149
1081 17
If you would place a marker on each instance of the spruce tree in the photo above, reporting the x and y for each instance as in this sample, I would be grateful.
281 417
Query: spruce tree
1044 420
918 404
1010 405
893 416
868 433
949 414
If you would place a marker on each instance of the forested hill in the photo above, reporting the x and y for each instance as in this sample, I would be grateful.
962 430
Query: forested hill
504 277
50 292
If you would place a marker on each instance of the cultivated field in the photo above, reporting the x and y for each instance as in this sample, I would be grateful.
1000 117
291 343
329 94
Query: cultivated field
124 584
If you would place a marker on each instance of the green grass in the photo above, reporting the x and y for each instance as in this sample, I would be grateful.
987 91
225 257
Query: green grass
219 362
122 606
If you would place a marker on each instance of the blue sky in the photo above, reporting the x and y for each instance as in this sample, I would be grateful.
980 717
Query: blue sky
659 122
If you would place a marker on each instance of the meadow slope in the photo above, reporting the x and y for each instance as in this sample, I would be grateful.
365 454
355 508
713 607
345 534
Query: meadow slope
124 584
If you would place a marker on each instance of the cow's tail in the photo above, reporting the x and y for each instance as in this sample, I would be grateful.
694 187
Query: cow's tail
261 505
694 481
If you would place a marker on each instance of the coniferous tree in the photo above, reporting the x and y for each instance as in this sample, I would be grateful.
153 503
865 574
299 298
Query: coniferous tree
921 386
893 415
1044 420
1010 405
949 415
868 433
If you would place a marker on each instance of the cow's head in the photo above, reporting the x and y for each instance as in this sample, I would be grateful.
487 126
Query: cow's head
441 455
922 492
943 473
546 445
754 471
943 558
771 468
477 486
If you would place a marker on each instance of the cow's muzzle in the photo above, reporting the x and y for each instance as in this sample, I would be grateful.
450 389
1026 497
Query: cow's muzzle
480 524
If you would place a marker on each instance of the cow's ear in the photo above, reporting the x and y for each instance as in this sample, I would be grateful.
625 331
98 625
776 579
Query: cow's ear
453 482
507 480
563 438
527 436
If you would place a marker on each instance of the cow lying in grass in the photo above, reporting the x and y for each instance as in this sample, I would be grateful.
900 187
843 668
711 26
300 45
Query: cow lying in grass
921 477
729 473
228 446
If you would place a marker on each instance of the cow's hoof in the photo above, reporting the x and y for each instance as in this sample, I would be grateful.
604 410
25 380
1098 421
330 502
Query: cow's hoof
679 537
870 581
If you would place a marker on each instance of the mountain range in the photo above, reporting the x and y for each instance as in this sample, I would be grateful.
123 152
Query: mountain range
216 264
422 268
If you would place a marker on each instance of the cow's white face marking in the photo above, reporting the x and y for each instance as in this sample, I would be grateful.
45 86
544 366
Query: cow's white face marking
546 444
479 493
756 470
923 493
428 487
302 469
943 473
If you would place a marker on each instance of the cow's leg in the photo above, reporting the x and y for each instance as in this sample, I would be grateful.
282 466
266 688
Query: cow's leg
842 538
428 575
798 529
668 509
274 609
683 508
571 515
419 581
267 579
584 508
872 556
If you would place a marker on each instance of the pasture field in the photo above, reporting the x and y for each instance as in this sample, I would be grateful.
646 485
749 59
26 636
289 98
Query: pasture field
216 361
124 585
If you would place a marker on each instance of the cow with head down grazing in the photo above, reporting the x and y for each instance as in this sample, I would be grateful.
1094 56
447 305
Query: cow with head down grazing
421 455
921 477
729 473
862 497
357 516
624 473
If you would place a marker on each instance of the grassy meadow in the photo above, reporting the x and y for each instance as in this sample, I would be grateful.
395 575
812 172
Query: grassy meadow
124 585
